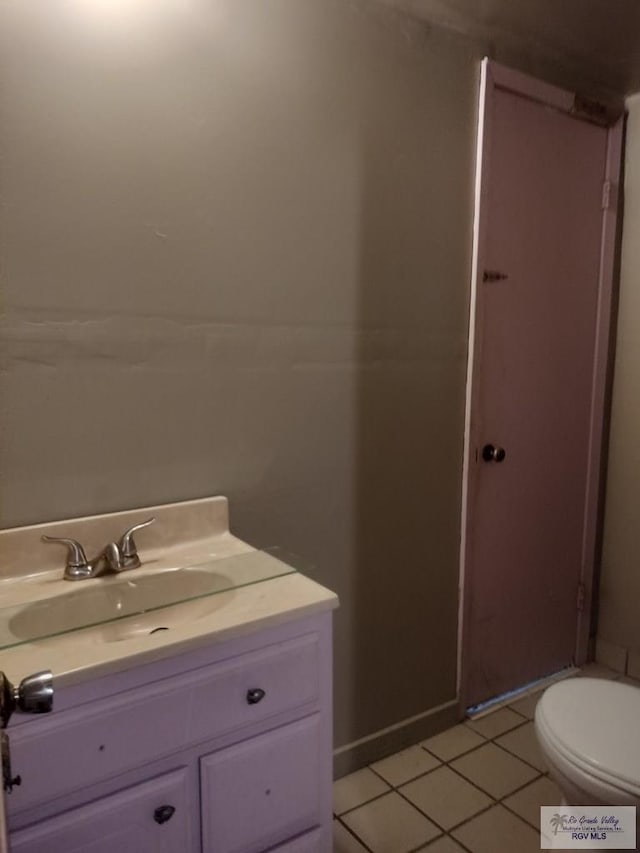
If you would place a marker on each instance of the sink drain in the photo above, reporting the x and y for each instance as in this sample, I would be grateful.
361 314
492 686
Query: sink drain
155 630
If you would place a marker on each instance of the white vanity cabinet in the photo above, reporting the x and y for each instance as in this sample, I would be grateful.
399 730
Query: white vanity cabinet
222 749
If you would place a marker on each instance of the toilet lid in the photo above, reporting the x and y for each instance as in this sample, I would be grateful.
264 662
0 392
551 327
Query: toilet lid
596 724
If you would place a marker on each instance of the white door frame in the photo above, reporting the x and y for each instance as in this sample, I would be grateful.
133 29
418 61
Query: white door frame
497 77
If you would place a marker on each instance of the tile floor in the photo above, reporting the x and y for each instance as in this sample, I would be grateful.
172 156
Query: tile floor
477 787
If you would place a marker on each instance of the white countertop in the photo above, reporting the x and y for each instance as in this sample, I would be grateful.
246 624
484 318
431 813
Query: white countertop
82 654
76 657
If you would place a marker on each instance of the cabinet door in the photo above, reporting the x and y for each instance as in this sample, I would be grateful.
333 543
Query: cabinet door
136 820
261 792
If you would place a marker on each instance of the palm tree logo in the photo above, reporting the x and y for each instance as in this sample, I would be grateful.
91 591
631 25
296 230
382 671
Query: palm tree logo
557 822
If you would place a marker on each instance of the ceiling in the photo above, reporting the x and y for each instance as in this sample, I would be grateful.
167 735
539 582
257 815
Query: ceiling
597 41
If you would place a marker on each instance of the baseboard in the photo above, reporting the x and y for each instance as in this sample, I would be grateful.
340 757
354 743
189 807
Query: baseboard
623 660
385 742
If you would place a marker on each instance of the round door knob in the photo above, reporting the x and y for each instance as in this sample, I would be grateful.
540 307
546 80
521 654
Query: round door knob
493 454
34 694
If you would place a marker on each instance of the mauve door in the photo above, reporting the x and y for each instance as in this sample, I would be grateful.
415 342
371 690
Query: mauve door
536 333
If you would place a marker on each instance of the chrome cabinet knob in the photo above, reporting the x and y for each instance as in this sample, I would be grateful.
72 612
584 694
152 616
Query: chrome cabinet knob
493 454
255 695
163 813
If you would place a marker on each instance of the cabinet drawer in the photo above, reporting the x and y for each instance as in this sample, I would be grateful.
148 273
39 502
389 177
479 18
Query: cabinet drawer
287 674
257 794
126 822
80 747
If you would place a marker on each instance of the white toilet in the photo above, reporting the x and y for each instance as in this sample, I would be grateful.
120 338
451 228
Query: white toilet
589 732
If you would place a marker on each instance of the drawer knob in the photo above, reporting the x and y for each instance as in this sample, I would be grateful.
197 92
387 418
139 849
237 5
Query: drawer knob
255 695
163 813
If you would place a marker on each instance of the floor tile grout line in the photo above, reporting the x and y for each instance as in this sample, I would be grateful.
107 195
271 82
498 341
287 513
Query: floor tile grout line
446 760
460 755
520 788
441 830
503 800
355 835
498 802
515 755
462 722
513 728
427 844
506 749
521 819
424 814
364 803
391 787
487 739
394 787
469 819
484 811
493 796
379 775
428 773
464 846
513 811
464 755
515 711
494 802
516 728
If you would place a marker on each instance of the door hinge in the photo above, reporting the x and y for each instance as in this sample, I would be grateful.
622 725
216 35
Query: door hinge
580 598
609 195
594 111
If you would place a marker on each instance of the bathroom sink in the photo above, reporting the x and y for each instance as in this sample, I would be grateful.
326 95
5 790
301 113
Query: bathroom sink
160 620
134 603
141 604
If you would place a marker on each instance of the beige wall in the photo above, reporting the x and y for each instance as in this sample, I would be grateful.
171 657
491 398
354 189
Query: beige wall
619 619
235 258
235 242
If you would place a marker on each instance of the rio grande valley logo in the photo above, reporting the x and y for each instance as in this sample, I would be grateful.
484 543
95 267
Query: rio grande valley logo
588 827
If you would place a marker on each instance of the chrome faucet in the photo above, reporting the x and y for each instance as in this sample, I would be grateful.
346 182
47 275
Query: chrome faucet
114 557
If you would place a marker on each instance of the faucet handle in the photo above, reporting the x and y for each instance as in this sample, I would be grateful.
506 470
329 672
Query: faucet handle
127 546
76 558
78 567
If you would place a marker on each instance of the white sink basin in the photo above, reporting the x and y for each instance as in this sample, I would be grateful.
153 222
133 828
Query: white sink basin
138 604
197 581
146 624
